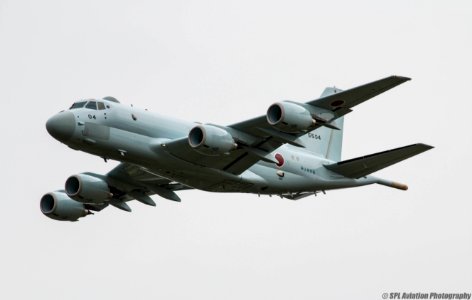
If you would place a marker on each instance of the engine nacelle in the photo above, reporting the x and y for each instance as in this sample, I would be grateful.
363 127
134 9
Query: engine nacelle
58 206
87 189
289 117
211 140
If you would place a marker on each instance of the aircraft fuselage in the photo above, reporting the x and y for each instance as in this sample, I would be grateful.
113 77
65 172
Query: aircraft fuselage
137 136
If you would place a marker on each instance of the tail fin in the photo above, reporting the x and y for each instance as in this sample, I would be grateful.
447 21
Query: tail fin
325 141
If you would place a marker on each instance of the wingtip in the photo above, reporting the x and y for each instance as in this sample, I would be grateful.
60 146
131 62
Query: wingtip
403 78
426 146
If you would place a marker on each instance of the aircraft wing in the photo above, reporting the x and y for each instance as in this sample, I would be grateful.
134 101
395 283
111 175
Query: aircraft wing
256 138
341 103
338 102
235 162
132 182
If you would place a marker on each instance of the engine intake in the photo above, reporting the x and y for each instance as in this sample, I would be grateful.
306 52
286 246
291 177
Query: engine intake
87 189
58 206
211 140
289 117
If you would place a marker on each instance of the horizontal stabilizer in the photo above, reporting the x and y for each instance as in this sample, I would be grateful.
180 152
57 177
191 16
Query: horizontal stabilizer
365 165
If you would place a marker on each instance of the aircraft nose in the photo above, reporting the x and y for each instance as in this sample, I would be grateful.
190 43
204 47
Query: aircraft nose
61 126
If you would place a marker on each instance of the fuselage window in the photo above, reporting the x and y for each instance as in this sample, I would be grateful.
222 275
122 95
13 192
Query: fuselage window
91 105
78 105
100 105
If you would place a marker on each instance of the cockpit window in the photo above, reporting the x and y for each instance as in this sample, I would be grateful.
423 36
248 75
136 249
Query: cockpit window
100 105
79 104
91 105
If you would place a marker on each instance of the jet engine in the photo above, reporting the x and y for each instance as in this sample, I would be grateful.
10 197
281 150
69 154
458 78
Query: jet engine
87 189
289 117
211 140
58 206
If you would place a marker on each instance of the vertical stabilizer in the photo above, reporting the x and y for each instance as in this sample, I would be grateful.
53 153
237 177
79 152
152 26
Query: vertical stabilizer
324 141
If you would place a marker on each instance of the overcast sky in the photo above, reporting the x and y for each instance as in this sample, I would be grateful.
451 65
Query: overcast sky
223 62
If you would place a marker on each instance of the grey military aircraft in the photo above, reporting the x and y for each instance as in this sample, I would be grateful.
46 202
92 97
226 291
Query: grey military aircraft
292 151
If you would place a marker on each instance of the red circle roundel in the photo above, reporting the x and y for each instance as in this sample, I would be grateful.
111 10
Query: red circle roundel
280 159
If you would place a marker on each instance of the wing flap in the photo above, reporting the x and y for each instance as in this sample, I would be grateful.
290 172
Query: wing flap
135 182
365 165
234 162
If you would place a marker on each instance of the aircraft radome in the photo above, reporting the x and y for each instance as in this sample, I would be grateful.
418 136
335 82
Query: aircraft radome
292 151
